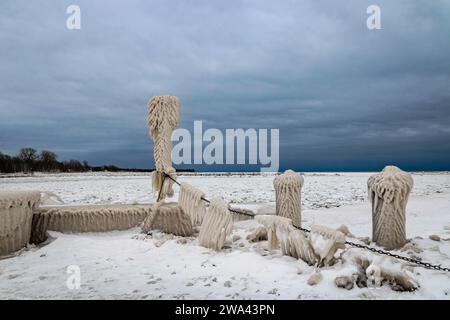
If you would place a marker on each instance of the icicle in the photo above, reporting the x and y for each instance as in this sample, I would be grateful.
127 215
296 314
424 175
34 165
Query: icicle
216 226
163 118
301 248
293 243
389 191
271 223
190 200
325 242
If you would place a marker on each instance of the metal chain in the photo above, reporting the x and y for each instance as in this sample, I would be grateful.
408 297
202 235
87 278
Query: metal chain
387 253
390 254
353 244
208 201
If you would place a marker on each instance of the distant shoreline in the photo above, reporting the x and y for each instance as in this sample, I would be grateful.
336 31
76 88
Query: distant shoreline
187 173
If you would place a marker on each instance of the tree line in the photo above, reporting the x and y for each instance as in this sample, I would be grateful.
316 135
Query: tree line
30 160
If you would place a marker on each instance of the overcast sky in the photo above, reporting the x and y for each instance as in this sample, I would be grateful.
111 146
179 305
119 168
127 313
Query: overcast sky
344 97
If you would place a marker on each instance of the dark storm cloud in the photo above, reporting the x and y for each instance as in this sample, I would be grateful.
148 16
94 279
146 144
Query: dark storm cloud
344 97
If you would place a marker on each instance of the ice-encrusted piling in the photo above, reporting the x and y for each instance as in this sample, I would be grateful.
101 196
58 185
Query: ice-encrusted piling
389 192
288 187
16 214
163 118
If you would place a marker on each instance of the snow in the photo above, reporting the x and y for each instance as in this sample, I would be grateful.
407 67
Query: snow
130 265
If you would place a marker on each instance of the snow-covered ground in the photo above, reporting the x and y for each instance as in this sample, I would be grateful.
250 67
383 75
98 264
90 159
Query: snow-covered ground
130 265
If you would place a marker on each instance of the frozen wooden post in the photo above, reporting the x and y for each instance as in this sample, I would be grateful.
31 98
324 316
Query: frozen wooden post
388 192
163 118
288 187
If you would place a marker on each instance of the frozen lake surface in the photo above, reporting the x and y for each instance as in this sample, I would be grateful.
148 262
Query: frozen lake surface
130 265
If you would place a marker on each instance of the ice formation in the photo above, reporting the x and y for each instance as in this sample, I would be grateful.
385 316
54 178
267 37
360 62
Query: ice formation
399 281
168 218
299 247
16 214
344 229
190 200
344 282
288 187
325 242
315 278
293 243
361 261
272 224
388 192
260 234
241 214
92 218
371 274
216 226
163 118
50 199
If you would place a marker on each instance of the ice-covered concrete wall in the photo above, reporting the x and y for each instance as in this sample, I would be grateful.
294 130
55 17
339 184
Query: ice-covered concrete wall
168 218
92 218
16 213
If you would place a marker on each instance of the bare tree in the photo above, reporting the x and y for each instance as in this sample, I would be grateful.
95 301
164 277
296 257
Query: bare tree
28 156
48 160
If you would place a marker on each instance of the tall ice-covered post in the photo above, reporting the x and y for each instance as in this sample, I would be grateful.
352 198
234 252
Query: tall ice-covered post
288 187
163 118
389 192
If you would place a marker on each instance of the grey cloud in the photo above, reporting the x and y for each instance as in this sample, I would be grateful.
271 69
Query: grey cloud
343 97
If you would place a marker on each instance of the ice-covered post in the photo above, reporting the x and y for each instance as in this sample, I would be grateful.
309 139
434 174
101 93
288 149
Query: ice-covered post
288 187
388 192
16 216
163 118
